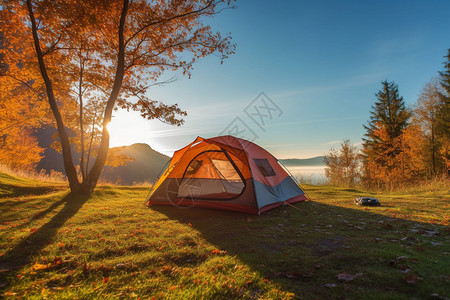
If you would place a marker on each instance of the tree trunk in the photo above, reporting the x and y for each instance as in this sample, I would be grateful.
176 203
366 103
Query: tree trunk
81 112
91 181
433 150
71 172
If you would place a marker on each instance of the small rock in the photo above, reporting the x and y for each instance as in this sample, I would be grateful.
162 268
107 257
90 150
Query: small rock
436 296
430 233
405 270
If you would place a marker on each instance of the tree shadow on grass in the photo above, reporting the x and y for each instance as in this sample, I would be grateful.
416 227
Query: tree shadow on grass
305 250
23 253
11 191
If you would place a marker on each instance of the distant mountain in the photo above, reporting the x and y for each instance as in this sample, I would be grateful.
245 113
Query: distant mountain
298 162
52 159
146 167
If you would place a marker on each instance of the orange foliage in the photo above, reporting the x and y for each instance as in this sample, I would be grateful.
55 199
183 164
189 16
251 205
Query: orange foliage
398 160
23 106
384 163
115 158
97 56
19 149
414 152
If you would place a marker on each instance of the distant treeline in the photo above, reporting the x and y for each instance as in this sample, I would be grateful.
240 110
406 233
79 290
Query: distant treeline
299 162
401 144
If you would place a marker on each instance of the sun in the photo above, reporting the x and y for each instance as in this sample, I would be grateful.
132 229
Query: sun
127 128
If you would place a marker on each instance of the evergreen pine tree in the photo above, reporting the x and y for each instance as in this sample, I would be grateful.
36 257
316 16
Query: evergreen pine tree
445 78
381 146
443 118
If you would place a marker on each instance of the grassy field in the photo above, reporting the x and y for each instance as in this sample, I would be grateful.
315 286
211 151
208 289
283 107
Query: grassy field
55 246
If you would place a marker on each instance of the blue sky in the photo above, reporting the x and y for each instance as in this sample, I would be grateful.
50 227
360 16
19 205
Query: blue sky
320 62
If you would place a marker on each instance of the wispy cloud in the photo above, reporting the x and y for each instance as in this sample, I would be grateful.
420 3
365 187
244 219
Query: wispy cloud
395 46
349 82
278 145
332 142
180 131
315 121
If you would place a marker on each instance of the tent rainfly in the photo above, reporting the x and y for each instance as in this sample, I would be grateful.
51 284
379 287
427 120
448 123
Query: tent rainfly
228 173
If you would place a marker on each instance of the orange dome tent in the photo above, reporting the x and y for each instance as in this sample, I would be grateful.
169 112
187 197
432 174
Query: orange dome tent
225 172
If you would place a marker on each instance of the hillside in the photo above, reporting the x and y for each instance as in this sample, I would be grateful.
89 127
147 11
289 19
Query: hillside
298 162
57 246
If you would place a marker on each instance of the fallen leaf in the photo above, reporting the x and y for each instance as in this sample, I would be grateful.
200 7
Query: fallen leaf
404 267
105 280
388 226
293 274
40 267
411 278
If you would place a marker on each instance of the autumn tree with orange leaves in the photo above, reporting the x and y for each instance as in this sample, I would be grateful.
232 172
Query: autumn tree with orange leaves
427 112
97 56
22 104
343 165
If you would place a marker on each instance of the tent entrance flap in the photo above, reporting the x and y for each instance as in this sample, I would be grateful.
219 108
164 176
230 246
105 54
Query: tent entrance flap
213 175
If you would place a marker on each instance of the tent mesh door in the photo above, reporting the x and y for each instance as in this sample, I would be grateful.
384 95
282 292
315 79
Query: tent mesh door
211 175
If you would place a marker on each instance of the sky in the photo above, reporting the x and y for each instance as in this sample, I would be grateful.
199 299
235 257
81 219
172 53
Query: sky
304 75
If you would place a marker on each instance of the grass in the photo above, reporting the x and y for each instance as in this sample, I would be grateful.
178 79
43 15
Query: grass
53 245
14 186
33 176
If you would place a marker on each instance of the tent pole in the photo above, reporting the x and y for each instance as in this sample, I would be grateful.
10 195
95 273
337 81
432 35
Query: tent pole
157 178
298 183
